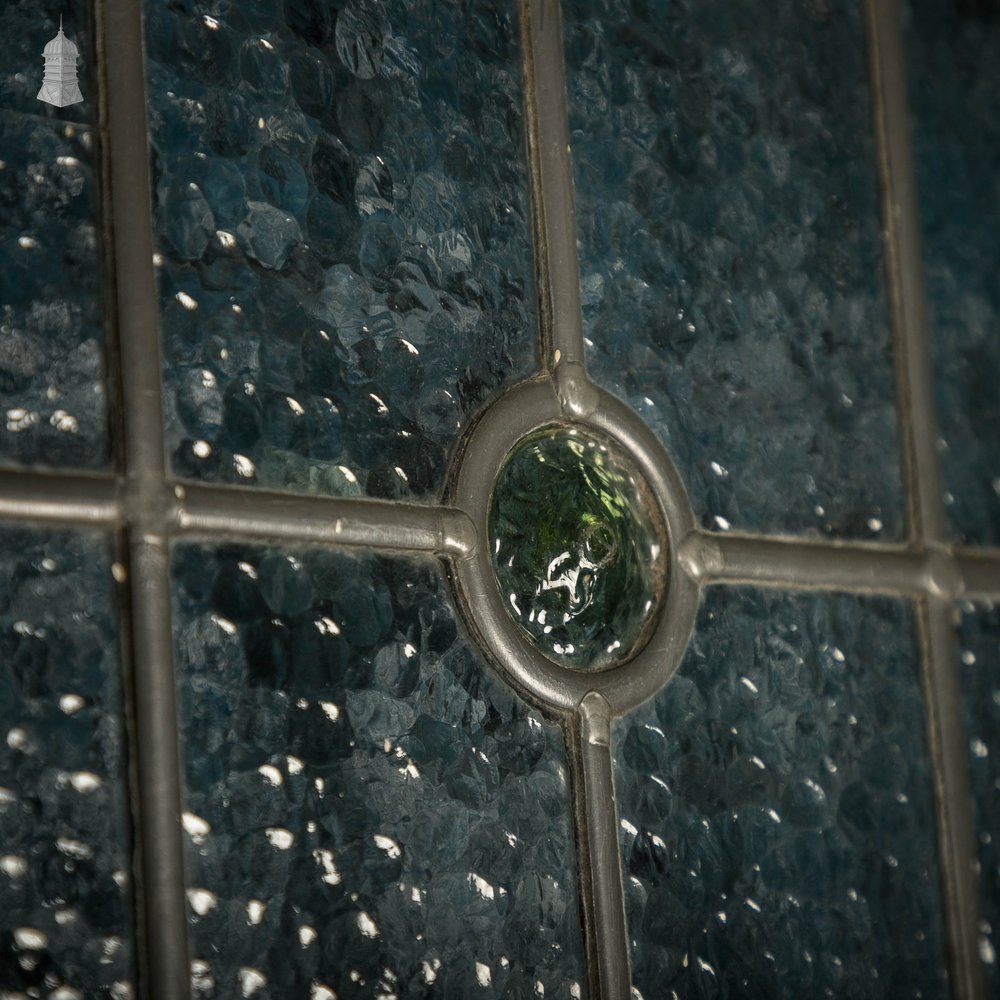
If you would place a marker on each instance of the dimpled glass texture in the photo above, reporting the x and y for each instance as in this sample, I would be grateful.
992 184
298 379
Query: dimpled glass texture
53 409
577 556
368 812
65 916
341 212
777 826
730 256
979 669
954 79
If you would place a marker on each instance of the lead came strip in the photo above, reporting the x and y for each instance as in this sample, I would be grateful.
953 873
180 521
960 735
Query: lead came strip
154 511
925 509
557 269
600 857
160 893
731 558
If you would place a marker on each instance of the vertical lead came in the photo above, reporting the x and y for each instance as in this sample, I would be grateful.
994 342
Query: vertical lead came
925 509
161 905
599 853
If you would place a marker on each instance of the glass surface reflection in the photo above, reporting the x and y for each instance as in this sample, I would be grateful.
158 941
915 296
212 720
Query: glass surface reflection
577 552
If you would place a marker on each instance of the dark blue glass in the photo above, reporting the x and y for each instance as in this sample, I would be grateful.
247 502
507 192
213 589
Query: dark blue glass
777 828
979 668
731 262
341 212
65 915
368 811
954 91
53 407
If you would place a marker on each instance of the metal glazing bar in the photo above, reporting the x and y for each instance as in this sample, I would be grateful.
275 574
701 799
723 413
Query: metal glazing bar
163 965
557 278
926 518
860 567
980 571
553 219
802 565
195 509
106 255
956 830
603 900
206 510
904 272
132 229
51 497
234 512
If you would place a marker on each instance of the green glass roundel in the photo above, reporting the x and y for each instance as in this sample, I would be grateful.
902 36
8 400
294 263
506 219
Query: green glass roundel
576 550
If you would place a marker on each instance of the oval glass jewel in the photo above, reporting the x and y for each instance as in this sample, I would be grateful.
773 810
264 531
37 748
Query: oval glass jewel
577 547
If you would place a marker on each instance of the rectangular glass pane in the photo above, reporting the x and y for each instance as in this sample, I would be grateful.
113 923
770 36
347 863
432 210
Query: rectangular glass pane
65 914
53 406
954 73
367 810
778 834
980 672
731 261
342 222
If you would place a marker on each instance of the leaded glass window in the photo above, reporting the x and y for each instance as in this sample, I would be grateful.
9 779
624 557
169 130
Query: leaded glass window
499 500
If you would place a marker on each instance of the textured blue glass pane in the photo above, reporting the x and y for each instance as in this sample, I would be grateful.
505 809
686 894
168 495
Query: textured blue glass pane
955 92
980 673
730 253
341 209
53 408
367 809
775 801
65 918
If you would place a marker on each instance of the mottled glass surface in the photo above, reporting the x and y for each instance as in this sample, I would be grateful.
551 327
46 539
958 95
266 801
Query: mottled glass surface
954 74
53 409
979 667
730 255
777 828
65 915
341 214
577 553
368 812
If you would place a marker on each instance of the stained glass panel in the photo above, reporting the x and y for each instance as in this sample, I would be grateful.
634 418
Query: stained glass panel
52 378
341 213
954 91
776 819
731 262
368 811
65 915
979 668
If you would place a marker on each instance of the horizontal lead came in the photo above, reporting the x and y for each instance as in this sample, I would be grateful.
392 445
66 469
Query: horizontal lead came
862 568
709 557
980 572
59 498
343 521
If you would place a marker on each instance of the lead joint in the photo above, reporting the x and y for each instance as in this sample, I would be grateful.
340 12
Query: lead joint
577 396
700 556
458 534
943 577
595 719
